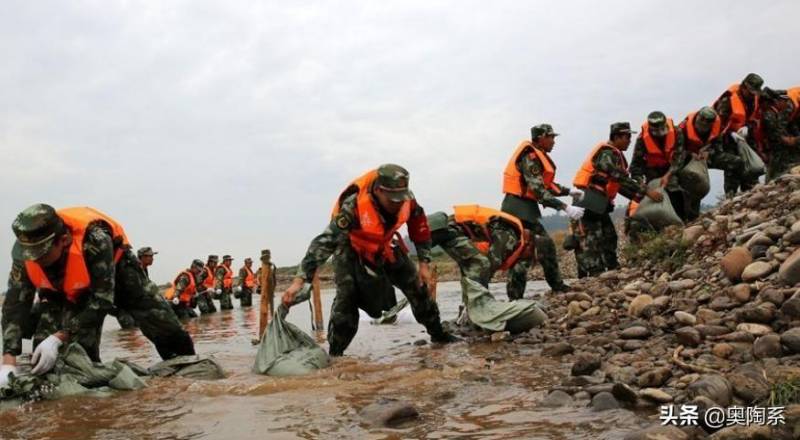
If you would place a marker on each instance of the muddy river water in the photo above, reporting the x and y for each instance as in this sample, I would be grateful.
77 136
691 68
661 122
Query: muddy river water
484 390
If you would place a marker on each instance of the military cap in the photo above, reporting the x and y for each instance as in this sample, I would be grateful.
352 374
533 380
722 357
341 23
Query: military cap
753 82
36 229
145 251
227 258
393 179
213 258
198 263
707 114
265 252
657 123
621 127
770 95
248 260
540 130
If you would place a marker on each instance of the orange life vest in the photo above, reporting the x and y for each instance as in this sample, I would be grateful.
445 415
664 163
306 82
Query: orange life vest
188 293
585 177
794 95
513 181
468 215
372 239
250 280
739 116
209 280
227 279
656 157
692 140
76 276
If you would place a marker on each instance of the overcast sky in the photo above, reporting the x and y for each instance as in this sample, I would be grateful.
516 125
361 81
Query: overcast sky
227 127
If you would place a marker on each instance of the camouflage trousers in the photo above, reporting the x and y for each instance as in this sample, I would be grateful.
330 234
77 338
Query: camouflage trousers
781 161
134 294
125 319
371 290
225 299
597 248
246 297
184 311
546 255
205 303
730 162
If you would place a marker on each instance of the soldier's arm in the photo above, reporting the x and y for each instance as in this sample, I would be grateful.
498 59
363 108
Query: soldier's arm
607 162
532 171
678 154
181 284
17 308
324 244
638 162
419 232
242 276
219 277
98 251
504 243
723 108
775 127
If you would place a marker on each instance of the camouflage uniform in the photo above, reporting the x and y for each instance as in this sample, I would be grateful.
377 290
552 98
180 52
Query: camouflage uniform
122 285
776 124
246 295
734 180
641 171
361 285
205 302
528 212
596 251
184 311
225 301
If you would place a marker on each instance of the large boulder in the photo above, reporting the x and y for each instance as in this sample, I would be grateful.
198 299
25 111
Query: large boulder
734 262
714 387
790 269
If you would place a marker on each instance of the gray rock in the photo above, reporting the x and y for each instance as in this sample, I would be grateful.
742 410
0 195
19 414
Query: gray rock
685 318
558 349
762 313
688 336
712 386
756 271
658 432
624 393
754 432
656 395
741 292
692 233
749 384
604 401
790 269
655 378
790 339
636 332
556 399
388 412
585 364
767 346
791 307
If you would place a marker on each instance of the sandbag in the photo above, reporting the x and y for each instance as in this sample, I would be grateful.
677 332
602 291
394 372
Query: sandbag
753 165
694 179
285 350
657 215
493 315
190 367
593 200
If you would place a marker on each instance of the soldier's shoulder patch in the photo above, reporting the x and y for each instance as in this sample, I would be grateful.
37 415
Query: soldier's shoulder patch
343 221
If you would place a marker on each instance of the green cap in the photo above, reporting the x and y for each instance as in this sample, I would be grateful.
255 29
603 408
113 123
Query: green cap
36 228
198 263
657 123
621 127
227 258
146 251
753 82
540 130
213 258
248 260
770 95
265 252
393 179
706 114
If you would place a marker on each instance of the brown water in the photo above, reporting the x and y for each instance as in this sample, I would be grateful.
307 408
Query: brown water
488 390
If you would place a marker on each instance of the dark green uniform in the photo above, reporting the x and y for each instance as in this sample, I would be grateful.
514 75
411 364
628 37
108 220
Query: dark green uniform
360 285
205 301
182 310
776 125
528 212
246 294
641 171
225 300
122 285
734 179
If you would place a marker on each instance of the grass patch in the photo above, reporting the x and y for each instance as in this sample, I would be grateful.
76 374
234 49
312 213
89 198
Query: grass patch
785 393
656 249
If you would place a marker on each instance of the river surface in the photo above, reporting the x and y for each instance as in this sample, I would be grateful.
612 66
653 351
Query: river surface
483 390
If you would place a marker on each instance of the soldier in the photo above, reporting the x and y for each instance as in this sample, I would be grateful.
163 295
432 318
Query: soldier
738 108
605 171
659 154
145 255
775 133
266 258
223 283
483 240
702 135
205 290
182 293
529 180
367 251
247 283
81 262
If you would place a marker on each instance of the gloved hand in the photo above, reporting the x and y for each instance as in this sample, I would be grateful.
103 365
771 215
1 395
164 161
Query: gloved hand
737 137
176 300
574 212
237 289
577 194
743 132
217 291
5 371
45 355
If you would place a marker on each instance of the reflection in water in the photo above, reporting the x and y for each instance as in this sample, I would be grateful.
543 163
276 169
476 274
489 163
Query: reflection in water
470 391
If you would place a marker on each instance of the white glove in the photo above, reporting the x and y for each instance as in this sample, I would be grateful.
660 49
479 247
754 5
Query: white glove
176 300
45 355
577 194
737 137
743 132
574 212
237 289
5 371
218 291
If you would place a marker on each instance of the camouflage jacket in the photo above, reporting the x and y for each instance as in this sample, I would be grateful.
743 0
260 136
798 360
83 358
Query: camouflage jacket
336 234
639 169
98 252
219 276
532 171
182 282
610 163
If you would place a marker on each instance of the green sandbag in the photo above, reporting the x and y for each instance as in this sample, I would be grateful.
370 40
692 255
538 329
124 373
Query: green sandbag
493 315
593 200
753 165
658 215
390 316
693 178
285 350
190 367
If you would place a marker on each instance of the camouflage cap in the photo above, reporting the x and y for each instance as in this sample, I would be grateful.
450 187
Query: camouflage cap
393 179
621 127
265 252
36 228
248 260
227 258
770 95
145 252
198 263
753 82
706 114
213 258
657 123
540 130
